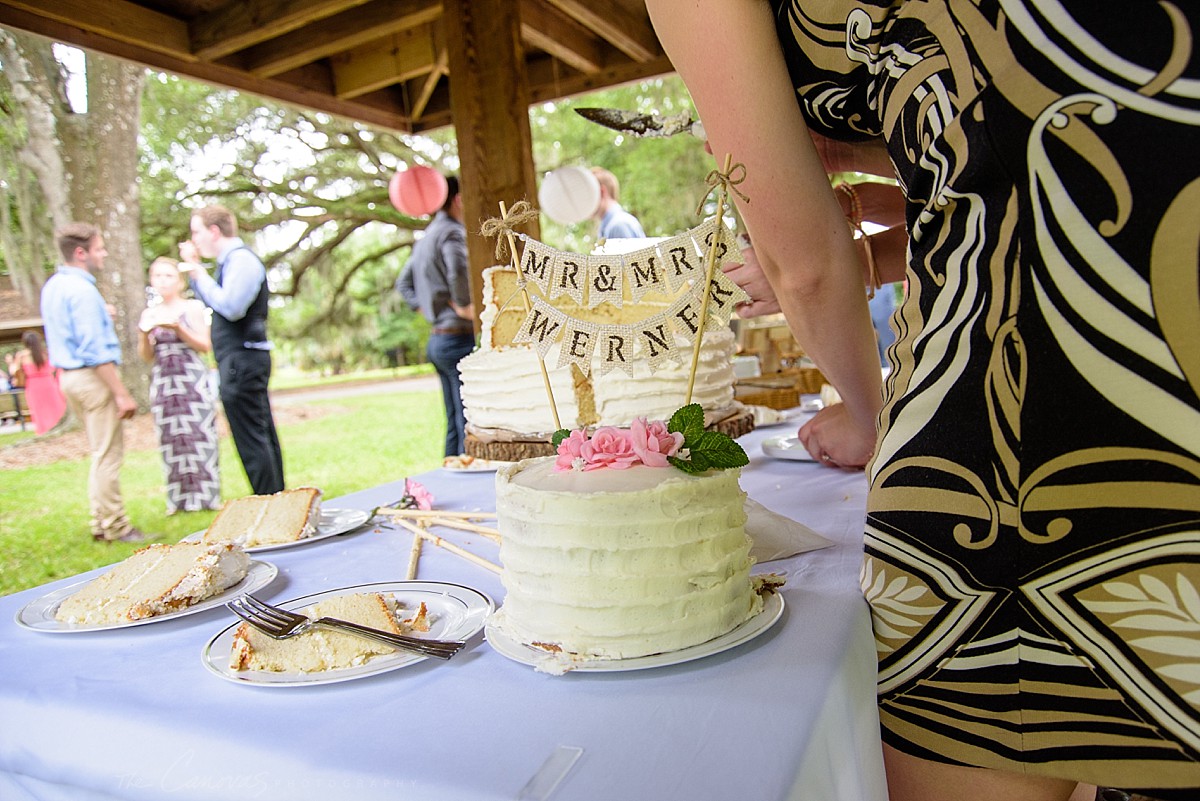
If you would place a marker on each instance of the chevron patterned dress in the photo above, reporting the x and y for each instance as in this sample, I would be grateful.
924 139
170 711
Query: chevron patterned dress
1033 537
183 403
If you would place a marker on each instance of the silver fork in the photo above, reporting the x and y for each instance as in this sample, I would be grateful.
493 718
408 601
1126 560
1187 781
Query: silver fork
281 624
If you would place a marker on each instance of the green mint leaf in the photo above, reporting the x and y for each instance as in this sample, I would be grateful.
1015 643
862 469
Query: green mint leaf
720 451
688 421
559 436
684 465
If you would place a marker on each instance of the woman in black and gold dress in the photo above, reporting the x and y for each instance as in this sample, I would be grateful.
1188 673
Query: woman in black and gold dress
1033 538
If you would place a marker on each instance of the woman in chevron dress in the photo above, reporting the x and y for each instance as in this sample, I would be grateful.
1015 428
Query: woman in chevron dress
173 334
1033 536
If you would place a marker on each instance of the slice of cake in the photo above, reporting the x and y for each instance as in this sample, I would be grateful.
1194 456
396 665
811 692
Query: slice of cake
156 580
615 564
267 519
322 648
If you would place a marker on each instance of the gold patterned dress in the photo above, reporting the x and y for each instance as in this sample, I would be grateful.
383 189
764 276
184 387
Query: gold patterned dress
1033 536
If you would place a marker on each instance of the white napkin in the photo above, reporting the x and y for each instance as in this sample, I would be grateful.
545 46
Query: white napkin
778 537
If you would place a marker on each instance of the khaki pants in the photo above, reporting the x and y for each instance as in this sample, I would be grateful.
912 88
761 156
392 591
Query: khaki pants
92 402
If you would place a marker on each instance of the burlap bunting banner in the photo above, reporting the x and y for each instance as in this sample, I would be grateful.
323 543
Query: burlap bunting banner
674 265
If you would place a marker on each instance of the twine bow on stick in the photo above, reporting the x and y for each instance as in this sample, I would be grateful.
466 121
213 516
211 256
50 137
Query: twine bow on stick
502 227
506 245
724 182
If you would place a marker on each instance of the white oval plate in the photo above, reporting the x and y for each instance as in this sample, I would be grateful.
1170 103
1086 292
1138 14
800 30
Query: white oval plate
39 615
457 613
519 652
333 522
787 448
477 466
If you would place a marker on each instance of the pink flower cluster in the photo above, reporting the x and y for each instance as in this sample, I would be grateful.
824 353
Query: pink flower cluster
416 496
648 443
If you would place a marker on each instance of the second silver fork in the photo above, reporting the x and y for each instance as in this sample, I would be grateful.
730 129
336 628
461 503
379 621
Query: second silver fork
282 623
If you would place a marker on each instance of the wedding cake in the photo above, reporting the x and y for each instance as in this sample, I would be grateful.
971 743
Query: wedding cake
504 395
610 552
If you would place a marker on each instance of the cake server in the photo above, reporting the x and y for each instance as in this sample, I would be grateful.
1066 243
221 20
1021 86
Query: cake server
644 125
280 624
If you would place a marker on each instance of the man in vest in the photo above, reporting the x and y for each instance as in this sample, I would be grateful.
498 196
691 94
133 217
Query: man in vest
237 295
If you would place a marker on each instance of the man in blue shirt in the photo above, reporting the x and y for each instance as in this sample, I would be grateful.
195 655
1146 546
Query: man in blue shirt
238 297
82 342
615 222
436 282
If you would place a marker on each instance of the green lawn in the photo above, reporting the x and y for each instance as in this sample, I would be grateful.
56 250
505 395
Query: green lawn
367 440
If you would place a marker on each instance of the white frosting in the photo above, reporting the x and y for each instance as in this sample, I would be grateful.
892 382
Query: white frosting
621 563
504 388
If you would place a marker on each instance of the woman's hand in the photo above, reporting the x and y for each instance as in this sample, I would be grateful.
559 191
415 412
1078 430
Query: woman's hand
749 277
834 439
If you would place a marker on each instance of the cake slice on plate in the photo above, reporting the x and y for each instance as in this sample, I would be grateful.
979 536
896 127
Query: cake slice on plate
156 580
321 649
255 520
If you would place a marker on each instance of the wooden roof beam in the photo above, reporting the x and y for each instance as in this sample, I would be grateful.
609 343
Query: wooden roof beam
549 29
441 67
390 60
243 23
630 34
120 20
338 33
546 83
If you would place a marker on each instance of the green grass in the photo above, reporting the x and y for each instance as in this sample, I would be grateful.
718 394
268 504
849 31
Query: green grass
292 379
366 440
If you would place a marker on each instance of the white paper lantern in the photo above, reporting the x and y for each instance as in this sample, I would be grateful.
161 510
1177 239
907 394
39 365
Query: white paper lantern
569 194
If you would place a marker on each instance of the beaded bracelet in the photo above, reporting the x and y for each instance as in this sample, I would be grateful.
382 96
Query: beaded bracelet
855 220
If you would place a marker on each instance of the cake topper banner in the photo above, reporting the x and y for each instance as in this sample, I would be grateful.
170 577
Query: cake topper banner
656 340
664 267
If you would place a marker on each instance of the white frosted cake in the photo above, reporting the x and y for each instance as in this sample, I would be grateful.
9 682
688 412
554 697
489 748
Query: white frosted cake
504 396
156 580
621 563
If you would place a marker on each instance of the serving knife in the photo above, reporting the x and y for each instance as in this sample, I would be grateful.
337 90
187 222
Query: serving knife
656 126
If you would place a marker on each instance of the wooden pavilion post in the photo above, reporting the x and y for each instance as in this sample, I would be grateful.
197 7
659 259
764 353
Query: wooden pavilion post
489 100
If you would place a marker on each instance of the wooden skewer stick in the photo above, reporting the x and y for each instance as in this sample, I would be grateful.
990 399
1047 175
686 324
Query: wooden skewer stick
710 264
414 556
419 513
490 533
449 546
512 248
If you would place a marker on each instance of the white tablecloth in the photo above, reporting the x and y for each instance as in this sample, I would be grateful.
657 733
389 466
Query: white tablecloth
133 714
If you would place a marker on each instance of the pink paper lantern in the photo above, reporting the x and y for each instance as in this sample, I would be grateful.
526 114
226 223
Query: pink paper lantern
418 191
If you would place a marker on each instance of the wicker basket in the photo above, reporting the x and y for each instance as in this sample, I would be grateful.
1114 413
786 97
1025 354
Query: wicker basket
779 390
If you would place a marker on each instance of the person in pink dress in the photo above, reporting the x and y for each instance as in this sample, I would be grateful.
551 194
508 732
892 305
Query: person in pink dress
42 394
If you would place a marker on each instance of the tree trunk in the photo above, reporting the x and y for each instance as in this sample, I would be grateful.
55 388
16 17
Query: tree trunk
85 167
103 159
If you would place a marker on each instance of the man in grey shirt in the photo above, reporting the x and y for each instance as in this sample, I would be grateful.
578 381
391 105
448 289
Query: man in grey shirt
436 283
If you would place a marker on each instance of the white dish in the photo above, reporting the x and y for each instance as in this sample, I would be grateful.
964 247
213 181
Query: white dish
787 448
477 466
519 652
39 615
456 613
332 523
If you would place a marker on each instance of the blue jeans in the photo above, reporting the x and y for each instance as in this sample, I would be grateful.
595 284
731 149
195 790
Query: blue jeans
444 352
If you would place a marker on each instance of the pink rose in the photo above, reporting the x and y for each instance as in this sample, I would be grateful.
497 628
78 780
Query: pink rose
570 450
609 447
653 443
416 496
